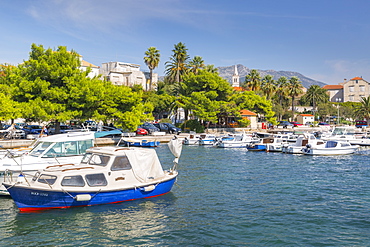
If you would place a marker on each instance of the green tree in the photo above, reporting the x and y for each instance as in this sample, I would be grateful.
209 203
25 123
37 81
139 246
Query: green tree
51 87
364 109
210 68
253 80
268 86
315 95
196 64
151 59
177 66
294 90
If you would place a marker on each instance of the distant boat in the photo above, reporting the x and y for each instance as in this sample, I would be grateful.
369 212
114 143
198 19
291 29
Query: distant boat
105 175
131 142
236 141
301 142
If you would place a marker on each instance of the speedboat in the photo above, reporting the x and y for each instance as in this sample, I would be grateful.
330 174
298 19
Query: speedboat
331 148
236 141
131 142
349 134
192 139
207 139
302 141
105 175
47 151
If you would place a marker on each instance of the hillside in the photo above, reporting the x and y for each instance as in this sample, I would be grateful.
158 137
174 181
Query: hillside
227 73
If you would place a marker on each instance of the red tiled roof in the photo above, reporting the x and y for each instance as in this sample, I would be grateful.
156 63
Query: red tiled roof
331 87
306 115
247 113
238 88
356 78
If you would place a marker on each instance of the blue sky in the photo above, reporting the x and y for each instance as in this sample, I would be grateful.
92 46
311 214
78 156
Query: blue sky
326 40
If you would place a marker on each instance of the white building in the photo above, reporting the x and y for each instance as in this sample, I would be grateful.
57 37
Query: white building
126 74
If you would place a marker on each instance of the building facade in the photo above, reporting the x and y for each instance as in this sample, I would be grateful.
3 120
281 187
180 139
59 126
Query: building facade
350 90
126 74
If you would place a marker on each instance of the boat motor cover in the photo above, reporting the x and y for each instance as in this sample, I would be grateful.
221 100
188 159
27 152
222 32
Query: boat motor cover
145 164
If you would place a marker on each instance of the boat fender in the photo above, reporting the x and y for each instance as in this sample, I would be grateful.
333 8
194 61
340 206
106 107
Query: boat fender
148 188
21 179
83 197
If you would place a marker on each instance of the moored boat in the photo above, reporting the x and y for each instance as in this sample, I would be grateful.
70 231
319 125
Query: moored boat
331 148
105 175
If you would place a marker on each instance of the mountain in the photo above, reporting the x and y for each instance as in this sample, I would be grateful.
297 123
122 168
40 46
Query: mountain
228 72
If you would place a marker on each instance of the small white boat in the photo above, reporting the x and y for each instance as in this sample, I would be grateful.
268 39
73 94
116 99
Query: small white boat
192 139
236 141
331 148
207 139
302 141
105 175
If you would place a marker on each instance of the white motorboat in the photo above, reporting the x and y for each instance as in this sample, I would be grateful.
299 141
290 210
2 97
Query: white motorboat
236 141
349 134
301 142
331 148
47 151
192 139
207 139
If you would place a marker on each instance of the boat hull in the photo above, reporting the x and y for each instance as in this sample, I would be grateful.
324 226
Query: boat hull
256 147
327 151
31 199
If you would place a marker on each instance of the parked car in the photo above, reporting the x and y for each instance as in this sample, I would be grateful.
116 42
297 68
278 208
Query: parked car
32 129
323 123
149 127
16 133
141 131
64 128
296 124
168 128
285 124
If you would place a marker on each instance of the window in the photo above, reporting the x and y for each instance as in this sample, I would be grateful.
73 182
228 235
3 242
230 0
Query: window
351 98
100 160
121 163
351 88
84 145
94 180
47 179
362 88
73 181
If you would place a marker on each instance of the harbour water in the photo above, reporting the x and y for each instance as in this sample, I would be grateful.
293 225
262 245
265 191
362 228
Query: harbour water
223 197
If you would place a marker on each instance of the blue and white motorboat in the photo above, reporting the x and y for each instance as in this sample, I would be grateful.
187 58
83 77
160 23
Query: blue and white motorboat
47 151
207 139
301 142
236 141
132 142
105 175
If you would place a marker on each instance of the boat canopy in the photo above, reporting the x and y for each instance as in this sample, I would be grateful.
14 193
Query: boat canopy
145 164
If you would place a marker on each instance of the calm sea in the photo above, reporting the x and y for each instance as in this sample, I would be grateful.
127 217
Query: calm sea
223 197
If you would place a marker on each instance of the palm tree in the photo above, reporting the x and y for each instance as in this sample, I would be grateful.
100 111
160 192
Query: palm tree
268 86
196 64
210 68
364 109
294 89
253 80
177 64
315 95
151 59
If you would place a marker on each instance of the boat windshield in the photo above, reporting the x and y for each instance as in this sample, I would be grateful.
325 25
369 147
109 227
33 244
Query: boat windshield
343 131
40 148
95 159
59 149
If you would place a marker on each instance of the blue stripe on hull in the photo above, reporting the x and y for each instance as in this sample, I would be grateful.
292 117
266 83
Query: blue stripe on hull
30 199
